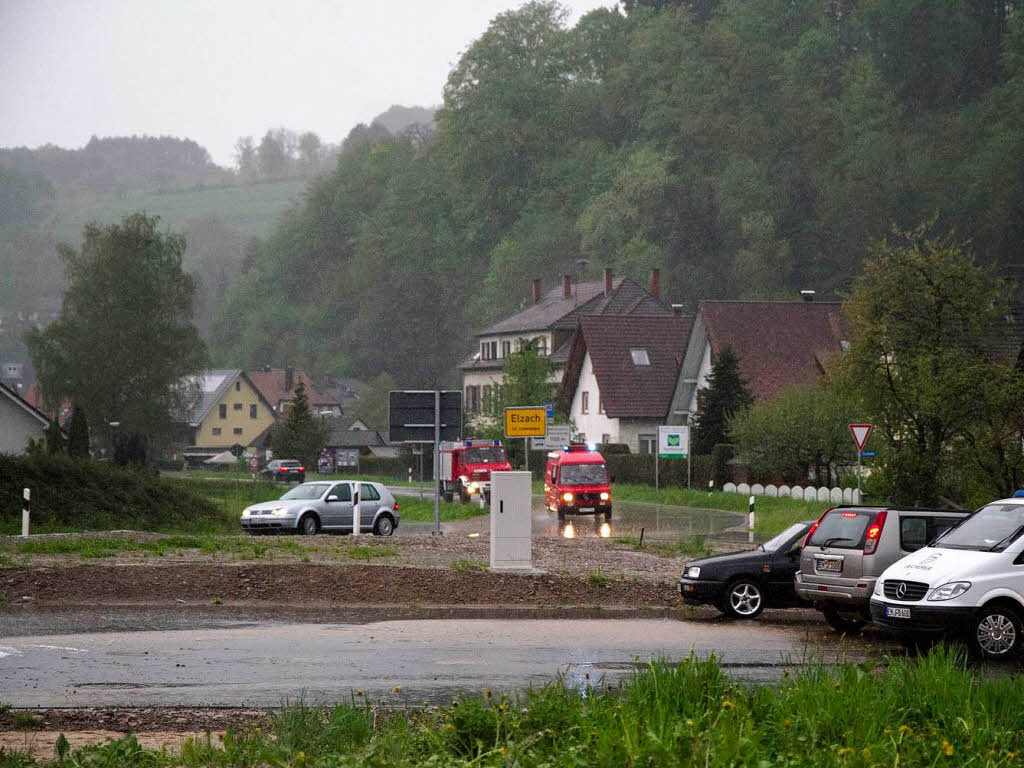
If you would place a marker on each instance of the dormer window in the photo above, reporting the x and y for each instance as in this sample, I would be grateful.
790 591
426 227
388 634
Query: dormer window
639 356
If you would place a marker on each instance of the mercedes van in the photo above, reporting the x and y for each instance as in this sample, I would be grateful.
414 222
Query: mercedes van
968 582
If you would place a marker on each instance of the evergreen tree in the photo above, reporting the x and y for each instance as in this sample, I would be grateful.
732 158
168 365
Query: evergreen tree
78 434
725 396
54 438
300 436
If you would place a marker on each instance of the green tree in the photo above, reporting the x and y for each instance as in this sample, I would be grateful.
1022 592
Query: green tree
123 342
725 396
923 362
372 407
801 432
300 436
525 381
78 434
55 440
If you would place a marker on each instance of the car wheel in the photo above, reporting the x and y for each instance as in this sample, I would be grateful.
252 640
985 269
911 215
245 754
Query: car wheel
384 526
843 624
743 599
463 496
608 516
308 525
997 633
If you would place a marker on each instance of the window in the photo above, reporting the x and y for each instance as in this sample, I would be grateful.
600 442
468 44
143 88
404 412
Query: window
489 350
916 532
223 411
600 403
238 430
506 348
238 406
238 386
252 411
486 398
216 430
605 438
646 443
541 345
343 491
640 356
584 402
473 399
368 493
700 400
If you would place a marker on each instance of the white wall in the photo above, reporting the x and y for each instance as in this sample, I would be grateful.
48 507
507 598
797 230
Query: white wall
16 426
592 424
702 377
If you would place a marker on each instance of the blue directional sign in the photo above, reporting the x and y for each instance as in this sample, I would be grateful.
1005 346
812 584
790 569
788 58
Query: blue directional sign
550 409
868 454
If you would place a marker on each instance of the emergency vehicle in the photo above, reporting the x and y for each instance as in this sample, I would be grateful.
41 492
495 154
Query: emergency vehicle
576 482
466 468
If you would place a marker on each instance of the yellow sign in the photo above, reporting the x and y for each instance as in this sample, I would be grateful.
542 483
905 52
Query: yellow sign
526 421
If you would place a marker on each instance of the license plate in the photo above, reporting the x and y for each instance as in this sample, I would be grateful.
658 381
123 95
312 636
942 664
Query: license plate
830 565
586 509
897 613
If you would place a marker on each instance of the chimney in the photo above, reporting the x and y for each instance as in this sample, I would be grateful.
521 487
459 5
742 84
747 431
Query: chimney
289 379
566 286
536 291
607 281
655 282
677 309
807 295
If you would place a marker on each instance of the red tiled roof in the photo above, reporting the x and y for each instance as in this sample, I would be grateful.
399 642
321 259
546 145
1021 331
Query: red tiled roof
271 386
779 344
629 390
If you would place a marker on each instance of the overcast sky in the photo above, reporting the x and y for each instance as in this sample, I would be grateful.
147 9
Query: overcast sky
214 70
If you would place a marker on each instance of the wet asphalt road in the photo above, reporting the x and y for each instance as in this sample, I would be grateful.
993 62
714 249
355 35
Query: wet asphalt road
265 663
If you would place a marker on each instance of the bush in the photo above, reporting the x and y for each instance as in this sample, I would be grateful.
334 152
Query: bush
720 456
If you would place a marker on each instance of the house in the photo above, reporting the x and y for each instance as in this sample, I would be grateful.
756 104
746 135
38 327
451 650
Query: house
621 376
277 386
357 436
550 321
230 411
19 421
779 344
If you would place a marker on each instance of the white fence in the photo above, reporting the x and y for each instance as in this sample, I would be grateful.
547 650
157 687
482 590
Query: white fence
810 493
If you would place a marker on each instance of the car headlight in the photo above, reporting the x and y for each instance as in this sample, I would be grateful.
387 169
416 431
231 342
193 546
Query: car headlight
878 586
279 511
949 591
246 512
605 495
567 497
693 572
474 486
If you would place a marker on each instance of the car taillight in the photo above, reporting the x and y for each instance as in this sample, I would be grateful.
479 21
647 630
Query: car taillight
396 506
807 539
874 533
302 469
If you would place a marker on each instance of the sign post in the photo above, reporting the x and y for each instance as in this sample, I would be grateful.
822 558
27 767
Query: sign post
673 443
860 434
526 421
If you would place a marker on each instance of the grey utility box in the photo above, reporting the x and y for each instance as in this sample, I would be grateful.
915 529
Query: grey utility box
511 521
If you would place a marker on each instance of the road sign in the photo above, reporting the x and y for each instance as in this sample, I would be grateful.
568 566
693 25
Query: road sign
237 450
860 434
411 416
254 463
558 435
526 421
549 408
673 442
868 454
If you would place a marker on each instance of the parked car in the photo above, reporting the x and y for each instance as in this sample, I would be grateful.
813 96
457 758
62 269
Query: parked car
969 582
327 506
848 548
285 470
743 584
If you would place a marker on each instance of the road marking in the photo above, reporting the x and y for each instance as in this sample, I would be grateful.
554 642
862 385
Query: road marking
6 650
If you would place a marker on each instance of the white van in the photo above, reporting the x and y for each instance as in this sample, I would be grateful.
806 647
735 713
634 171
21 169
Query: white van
969 581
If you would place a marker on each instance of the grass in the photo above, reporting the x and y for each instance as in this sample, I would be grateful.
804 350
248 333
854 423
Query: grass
596 578
694 547
930 711
467 565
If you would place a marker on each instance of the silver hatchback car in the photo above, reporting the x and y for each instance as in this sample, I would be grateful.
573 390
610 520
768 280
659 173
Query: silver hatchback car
849 547
327 506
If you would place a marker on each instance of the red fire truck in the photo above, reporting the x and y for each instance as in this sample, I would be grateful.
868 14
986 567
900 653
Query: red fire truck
576 482
466 468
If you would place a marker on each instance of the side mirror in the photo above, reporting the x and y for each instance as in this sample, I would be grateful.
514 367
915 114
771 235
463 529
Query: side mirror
332 497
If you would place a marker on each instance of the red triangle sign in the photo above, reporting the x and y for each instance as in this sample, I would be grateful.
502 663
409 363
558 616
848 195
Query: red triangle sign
860 434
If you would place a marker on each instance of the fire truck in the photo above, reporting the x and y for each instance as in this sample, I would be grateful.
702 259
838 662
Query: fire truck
466 468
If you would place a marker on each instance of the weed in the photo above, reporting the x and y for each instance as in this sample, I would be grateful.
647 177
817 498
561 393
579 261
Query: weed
596 578
7 562
26 720
465 565
372 551
695 547
5 709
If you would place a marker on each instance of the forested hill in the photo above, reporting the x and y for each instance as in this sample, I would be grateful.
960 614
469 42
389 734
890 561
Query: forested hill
749 148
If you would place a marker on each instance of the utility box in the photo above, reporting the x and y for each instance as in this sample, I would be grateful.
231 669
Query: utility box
511 521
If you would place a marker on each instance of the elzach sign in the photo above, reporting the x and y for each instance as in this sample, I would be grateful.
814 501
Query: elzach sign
526 421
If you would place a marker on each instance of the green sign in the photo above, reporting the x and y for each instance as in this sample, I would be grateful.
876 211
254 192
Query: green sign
673 442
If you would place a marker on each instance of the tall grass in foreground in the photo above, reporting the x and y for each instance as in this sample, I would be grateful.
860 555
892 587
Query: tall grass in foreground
930 711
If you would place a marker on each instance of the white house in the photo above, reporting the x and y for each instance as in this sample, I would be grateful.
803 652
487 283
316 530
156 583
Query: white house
19 421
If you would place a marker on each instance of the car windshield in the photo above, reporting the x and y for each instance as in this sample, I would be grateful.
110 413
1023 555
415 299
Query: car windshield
583 474
779 541
485 454
841 528
307 491
992 528
290 464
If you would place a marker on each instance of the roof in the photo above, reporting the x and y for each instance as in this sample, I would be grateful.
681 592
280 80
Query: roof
629 390
212 386
556 310
271 385
340 436
779 344
25 405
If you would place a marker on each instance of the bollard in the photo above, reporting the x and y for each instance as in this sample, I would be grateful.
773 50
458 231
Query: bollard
25 513
711 486
410 475
750 521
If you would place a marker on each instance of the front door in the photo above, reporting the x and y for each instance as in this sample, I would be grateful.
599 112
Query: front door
338 513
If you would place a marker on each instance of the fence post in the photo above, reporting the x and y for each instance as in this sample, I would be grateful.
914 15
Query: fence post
410 475
711 486
25 513
750 520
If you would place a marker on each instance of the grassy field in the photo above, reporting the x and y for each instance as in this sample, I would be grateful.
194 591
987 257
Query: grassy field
930 711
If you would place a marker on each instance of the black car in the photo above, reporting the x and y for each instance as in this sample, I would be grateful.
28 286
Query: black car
743 584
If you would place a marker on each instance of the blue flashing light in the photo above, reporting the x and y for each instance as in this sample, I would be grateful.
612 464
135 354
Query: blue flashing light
469 443
497 442
591 446
565 448
1019 494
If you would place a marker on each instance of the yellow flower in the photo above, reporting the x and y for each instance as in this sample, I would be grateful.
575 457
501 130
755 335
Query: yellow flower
397 689
487 693
905 729
689 723
844 751
501 707
359 693
947 748
302 756
1011 755
865 753
787 723
728 706
449 727
504 750
836 685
